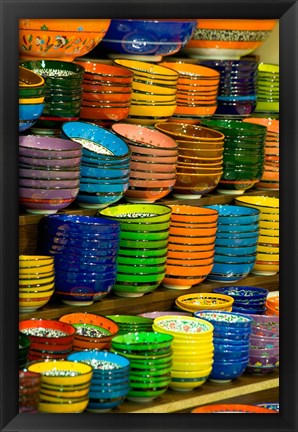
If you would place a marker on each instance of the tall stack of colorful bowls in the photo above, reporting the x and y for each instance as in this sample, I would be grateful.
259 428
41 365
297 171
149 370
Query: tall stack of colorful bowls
150 356
190 255
270 177
149 109
236 242
153 162
106 92
267 260
132 323
192 350
197 90
200 160
144 236
268 90
36 281
31 98
92 331
110 378
244 154
49 339
85 251
237 95
105 165
49 171
231 344
247 299
63 90
65 386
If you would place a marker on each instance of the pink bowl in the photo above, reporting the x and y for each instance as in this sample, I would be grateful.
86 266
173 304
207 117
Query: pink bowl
152 175
45 184
146 195
48 174
48 194
151 150
152 158
153 167
151 183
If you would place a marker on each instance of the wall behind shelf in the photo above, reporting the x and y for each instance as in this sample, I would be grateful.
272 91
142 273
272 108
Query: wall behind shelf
269 51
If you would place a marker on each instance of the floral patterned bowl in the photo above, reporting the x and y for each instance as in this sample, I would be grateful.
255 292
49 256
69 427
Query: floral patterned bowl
183 326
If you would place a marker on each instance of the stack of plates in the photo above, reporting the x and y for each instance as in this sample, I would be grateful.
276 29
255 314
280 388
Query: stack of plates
197 90
153 162
148 109
31 98
105 165
150 356
143 246
267 260
244 154
268 89
192 350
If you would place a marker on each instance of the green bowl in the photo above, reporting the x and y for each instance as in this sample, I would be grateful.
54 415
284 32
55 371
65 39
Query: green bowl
135 395
142 341
143 253
130 320
151 363
139 373
133 290
26 93
155 277
235 127
150 384
243 159
138 213
145 227
140 270
58 97
141 261
54 72
141 236
62 105
139 244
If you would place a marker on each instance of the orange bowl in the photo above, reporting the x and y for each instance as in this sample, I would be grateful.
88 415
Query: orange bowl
182 247
181 282
190 255
146 195
106 97
200 153
196 241
114 114
193 214
193 186
193 232
60 39
189 132
195 271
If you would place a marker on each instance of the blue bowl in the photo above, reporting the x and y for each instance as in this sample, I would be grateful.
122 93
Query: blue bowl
84 291
232 336
101 172
228 259
84 262
103 180
77 224
245 234
239 108
236 242
30 111
148 36
246 310
103 356
223 321
232 343
96 139
85 268
50 240
234 98
108 394
103 187
228 354
236 251
231 269
224 371
92 162
94 406
76 277
105 159
25 124
243 292
236 228
98 201
51 249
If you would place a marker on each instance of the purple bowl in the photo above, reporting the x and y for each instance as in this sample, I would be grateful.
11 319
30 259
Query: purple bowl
47 184
72 162
264 352
264 342
268 322
48 147
262 365
262 332
48 194
241 108
44 206
50 173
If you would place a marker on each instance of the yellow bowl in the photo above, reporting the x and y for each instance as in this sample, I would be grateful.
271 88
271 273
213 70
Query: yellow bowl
267 249
192 367
62 408
265 269
35 295
31 100
35 261
36 270
269 232
199 379
198 348
267 257
191 374
60 397
149 69
66 394
205 301
267 224
37 288
153 89
143 97
267 205
36 281
181 354
84 370
269 240
152 110
31 306
194 328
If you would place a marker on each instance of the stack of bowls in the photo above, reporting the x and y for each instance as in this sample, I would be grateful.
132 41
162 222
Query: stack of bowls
205 301
106 92
153 162
243 157
264 344
31 98
270 177
236 242
247 299
49 170
29 388
237 95
146 39
231 344
191 246
65 386
110 379
60 39
150 356
265 336
267 261
148 109
36 281
49 339
132 323
24 345
228 38
85 251
200 151
143 246
268 89
197 90
63 90
105 164
272 305
92 332
192 350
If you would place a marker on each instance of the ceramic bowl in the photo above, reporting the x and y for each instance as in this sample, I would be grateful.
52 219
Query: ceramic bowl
268 206
188 132
186 326
193 186
230 272
225 371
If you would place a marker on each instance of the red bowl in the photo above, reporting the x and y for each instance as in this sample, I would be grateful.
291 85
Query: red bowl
104 97
48 324
113 114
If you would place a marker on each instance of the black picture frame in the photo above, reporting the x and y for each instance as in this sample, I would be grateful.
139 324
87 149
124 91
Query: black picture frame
287 12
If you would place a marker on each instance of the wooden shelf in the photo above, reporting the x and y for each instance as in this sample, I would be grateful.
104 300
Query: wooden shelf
173 401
